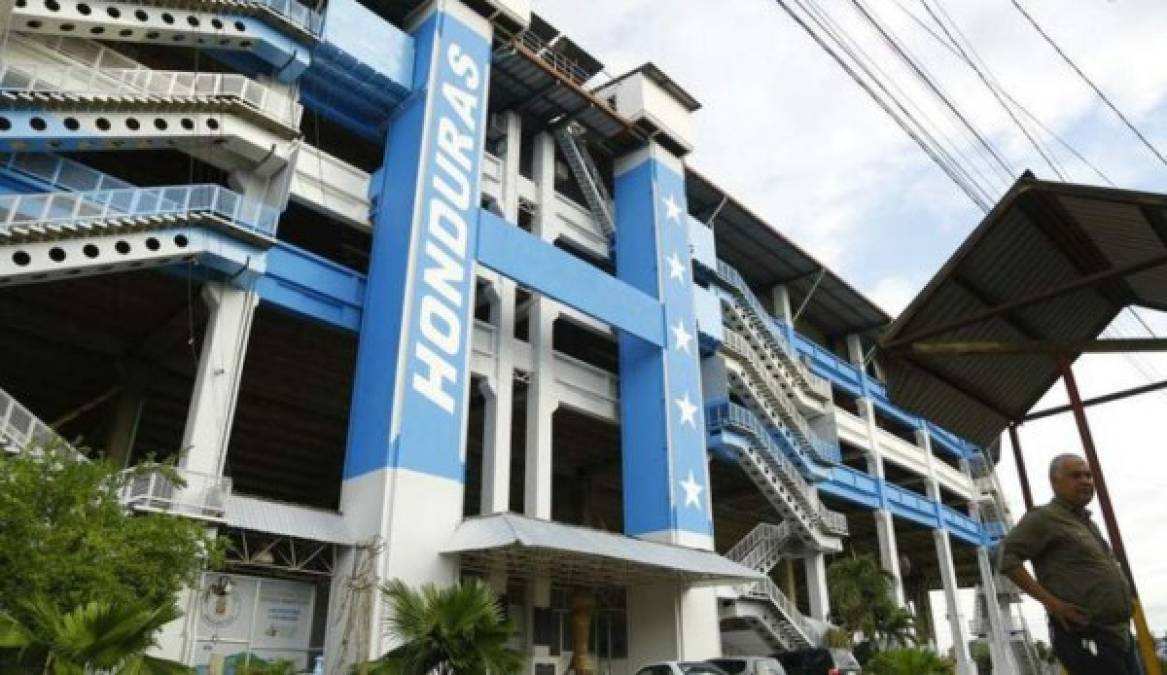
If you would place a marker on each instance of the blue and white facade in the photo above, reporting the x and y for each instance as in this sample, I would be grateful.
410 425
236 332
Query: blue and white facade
377 273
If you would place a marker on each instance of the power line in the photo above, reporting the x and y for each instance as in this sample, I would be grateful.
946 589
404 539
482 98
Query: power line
1105 99
992 90
1004 92
927 79
970 190
860 57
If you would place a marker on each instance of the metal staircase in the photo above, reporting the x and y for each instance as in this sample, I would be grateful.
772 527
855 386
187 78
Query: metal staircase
761 605
755 383
20 429
743 313
587 174
54 234
736 430
233 121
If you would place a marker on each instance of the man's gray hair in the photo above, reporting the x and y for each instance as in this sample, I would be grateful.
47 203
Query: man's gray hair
1055 467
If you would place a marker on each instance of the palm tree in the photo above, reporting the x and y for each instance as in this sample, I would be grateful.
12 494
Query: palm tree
895 626
111 637
457 629
910 661
860 589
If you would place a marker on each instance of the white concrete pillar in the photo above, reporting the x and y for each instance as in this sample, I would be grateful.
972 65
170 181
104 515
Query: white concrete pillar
956 623
884 526
499 391
1000 649
855 351
510 165
543 174
780 303
216 388
816 586
666 622
127 415
542 401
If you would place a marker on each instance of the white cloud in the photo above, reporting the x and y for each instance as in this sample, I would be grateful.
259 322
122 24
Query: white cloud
893 294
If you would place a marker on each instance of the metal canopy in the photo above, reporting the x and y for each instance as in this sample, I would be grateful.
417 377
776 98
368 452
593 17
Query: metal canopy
528 547
766 258
261 515
1051 263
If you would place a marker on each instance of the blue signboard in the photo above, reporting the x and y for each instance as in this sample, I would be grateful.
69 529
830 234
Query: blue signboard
666 475
412 381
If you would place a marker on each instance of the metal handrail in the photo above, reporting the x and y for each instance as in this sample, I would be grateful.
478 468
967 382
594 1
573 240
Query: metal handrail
730 415
60 173
545 53
20 429
760 544
793 418
84 80
204 495
737 283
768 590
63 208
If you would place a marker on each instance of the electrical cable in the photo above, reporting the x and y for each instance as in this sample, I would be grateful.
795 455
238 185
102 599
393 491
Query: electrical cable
1013 101
1105 99
969 191
862 59
992 90
924 76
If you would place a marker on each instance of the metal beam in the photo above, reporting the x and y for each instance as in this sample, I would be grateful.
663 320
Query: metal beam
1012 348
1036 298
1097 400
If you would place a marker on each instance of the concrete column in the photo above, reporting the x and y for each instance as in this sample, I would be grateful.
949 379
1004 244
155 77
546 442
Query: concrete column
216 388
884 527
127 415
816 586
956 623
499 391
780 303
542 402
543 174
789 584
855 351
510 165
666 622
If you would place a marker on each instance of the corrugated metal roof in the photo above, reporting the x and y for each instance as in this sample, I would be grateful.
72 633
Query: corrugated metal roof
766 258
1040 237
261 515
526 547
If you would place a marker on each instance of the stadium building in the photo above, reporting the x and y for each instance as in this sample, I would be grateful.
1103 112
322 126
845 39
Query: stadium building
408 290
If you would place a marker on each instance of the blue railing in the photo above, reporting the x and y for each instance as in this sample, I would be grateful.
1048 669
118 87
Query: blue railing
964 526
72 208
910 505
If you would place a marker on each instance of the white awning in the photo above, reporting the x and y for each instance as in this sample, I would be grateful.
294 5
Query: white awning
261 515
531 548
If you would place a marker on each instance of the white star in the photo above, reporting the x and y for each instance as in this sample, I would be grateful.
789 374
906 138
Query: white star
692 490
673 208
676 269
682 337
688 410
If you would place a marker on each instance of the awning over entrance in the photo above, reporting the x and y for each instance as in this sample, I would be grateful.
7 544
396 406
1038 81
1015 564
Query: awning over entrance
527 548
1040 278
261 515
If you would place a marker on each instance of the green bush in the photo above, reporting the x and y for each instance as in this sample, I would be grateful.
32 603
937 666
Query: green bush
910 661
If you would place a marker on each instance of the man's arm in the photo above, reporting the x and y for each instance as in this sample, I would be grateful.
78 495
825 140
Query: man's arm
1066 613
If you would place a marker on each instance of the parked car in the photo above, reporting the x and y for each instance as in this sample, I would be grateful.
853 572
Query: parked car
749 665
681 668
820 661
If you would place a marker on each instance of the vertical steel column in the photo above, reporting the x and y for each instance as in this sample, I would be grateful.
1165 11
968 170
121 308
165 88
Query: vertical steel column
1146 642
1022 474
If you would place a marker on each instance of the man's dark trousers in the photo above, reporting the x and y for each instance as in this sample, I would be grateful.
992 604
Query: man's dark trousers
1074 653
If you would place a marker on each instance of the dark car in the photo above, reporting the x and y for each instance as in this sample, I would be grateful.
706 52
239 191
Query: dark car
819 661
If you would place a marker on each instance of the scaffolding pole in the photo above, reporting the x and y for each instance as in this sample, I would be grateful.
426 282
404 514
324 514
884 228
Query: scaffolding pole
1146 641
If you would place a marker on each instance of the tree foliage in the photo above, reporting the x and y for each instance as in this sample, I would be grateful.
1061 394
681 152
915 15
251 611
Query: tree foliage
99 636
910 661
66 540
457 629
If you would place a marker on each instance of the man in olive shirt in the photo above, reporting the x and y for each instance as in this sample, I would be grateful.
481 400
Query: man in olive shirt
1079 582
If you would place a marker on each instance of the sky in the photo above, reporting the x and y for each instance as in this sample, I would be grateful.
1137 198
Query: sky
787 132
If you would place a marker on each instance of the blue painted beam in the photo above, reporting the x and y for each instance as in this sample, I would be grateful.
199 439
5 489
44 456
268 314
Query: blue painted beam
310 286
538 265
